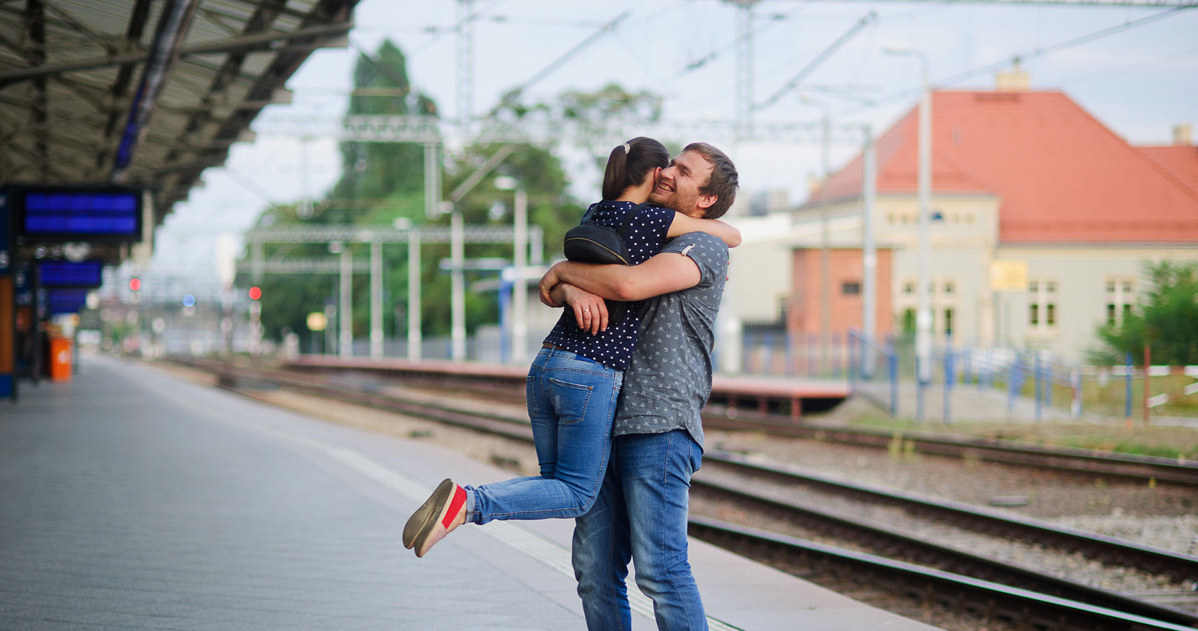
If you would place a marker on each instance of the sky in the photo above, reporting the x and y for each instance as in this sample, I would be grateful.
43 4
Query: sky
1135 69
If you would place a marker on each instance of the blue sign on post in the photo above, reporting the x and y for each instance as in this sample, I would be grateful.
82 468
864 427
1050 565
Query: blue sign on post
60 301
61 274
69 213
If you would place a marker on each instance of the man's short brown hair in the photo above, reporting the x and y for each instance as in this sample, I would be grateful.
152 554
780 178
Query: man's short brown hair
723 181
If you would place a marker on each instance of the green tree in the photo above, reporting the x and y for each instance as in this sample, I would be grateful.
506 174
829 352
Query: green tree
379 183
375 170
1166 319
382 182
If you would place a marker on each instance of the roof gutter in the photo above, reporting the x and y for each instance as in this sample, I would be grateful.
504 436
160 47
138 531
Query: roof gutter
168 39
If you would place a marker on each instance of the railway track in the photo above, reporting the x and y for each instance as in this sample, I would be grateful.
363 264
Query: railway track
1100 463
508 384
937 569
913 590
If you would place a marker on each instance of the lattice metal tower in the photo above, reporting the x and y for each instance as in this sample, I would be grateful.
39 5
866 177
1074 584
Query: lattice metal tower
465 74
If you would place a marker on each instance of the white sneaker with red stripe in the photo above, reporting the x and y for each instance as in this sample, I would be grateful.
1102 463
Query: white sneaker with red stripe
440 514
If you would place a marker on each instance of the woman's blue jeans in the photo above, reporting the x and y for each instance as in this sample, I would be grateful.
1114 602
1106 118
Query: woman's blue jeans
640 515
571 403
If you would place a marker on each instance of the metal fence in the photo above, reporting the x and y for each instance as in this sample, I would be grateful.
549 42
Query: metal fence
975 382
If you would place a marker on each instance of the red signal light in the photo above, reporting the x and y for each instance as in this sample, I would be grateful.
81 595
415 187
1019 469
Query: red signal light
134 284
255 293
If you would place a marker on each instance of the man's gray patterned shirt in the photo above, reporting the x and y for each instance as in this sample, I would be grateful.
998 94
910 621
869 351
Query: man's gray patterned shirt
669 379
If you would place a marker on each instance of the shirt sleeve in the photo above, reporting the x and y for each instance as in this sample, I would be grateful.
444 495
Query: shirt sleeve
707 251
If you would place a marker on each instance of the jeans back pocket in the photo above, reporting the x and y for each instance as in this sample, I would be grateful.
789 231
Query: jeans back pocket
570 400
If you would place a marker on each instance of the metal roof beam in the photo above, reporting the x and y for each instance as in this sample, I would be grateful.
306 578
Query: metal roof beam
260 41
263 17
199 161
331 15
278 5
83 121
35 33
138 18
70 23
168 38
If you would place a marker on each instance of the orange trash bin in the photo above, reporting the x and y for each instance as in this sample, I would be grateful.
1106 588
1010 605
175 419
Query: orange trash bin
60 359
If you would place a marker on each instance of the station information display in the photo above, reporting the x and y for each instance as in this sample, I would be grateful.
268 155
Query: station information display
76 213
71 273
60 301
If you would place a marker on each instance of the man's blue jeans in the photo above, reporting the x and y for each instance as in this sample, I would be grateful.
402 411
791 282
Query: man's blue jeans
571 403
640 514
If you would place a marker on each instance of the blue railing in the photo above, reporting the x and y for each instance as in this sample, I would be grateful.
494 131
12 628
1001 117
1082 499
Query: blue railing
873 372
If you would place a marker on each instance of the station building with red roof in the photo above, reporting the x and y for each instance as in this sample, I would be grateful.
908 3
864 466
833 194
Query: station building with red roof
1042 219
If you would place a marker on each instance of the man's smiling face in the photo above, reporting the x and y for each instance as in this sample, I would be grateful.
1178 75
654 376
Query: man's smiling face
678 185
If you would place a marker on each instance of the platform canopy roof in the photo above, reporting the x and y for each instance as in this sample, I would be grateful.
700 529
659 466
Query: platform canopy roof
145 93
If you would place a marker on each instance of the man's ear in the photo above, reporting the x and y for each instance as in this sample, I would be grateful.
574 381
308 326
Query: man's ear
706 201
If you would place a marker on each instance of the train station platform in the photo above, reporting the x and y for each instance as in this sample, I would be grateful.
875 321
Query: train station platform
133 499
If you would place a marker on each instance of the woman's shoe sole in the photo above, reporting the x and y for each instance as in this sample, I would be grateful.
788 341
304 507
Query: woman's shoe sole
427 512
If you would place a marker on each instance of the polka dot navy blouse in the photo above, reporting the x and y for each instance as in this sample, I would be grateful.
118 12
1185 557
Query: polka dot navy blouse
644 237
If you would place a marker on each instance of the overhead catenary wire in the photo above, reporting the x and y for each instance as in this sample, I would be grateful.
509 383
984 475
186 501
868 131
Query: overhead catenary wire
513 95
815 63
1020 57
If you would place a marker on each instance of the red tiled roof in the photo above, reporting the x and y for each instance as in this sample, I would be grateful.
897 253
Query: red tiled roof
1179 162
1060 174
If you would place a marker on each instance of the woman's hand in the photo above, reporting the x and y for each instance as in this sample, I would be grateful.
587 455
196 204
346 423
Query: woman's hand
590 311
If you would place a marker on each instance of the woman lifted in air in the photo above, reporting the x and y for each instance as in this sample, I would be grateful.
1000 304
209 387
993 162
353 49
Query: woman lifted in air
575 379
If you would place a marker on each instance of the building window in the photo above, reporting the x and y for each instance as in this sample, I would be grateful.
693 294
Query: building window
1042 305
1120 296
949 287
850 288
909 288
948 321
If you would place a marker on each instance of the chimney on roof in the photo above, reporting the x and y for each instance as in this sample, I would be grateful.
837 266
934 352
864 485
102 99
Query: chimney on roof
814 183
1013 80
1183 135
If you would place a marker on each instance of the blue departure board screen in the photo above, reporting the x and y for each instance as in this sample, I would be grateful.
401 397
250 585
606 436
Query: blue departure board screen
71 274
60 301
80 213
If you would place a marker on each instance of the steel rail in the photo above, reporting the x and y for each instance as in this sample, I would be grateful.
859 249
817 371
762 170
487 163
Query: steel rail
882 538
1108 550
951 590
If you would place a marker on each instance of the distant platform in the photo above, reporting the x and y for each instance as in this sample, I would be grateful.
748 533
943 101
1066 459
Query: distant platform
759 392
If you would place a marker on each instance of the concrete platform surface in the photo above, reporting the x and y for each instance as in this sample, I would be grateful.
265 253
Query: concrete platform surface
132 499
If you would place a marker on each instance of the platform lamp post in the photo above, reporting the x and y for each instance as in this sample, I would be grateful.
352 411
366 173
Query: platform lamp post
825 237
457 251
869 249
519 263
923 315
345 319
415 339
